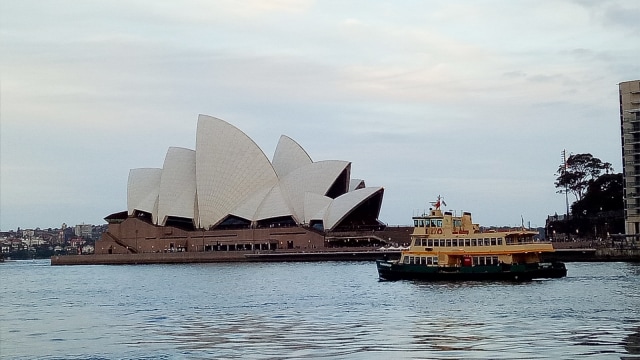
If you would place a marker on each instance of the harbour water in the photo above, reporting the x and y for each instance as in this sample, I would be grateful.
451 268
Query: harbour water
325 310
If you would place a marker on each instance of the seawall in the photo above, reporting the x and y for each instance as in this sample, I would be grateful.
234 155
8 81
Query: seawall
593 255
220 257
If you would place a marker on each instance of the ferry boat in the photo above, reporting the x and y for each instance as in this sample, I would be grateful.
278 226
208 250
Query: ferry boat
445 247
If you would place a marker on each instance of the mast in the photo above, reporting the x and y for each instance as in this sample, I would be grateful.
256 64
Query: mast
566 188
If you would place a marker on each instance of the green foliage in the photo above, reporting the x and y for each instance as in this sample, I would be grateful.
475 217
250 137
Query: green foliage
599 207
603 194
579 171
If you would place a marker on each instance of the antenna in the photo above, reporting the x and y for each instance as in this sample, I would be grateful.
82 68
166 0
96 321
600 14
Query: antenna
566 188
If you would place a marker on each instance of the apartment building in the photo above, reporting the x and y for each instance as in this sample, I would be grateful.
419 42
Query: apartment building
630 131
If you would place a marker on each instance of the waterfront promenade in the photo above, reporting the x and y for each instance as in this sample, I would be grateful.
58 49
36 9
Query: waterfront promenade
342 254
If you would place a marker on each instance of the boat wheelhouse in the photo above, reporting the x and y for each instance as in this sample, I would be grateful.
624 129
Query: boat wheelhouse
448 247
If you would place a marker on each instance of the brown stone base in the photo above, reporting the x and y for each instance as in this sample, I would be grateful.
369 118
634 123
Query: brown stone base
213 257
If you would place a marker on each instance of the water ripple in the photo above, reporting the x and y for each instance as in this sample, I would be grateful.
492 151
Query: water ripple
311 311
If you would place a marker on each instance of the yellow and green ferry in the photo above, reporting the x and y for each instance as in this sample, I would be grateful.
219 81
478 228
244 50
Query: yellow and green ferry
445 247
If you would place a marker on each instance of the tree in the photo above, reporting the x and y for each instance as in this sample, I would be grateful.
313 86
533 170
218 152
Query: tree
601 210
603 194
578 172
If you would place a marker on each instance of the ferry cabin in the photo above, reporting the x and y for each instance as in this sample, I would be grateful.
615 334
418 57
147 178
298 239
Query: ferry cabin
443 240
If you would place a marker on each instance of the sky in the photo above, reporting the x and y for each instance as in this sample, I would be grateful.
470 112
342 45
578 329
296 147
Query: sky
471 100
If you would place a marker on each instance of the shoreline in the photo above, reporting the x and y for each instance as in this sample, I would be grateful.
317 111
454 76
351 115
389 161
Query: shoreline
221 257
566 255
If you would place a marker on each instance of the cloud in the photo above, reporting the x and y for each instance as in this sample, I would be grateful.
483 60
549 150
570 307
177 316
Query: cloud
436 95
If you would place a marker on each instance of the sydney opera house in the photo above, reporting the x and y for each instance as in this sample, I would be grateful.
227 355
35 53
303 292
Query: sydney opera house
226 195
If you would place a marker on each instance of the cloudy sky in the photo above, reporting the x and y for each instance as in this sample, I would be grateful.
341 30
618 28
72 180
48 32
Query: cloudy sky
472 100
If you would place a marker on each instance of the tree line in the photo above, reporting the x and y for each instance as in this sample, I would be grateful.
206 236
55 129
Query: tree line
598 207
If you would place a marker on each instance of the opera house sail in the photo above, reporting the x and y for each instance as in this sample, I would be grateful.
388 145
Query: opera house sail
227 195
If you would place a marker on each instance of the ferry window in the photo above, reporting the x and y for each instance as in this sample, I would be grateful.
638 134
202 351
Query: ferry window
481 260
487 242
433 223
495 260
439 223
411 260
474 242
480 242
448 242
424 242
430 242
416 242
421 222
499 241
475 260
493 241
457 223
429 261
406 259
424 261
467 242
415 223
441 242
435 261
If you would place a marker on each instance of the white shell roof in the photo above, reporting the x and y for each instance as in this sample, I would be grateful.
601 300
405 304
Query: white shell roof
343 205
315 206
289 155
274 205
247 209
228 174
355 184
143 187
265 203
177 185
315 178
229 167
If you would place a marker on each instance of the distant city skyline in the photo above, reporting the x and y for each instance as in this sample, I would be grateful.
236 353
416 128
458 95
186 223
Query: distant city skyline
473 101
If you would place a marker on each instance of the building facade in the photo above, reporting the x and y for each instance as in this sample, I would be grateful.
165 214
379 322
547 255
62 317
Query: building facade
227 195
83 230
630 130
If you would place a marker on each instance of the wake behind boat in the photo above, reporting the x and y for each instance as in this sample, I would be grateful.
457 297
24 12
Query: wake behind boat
445 247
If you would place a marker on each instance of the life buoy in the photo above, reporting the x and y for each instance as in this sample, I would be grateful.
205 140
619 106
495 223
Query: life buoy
439 231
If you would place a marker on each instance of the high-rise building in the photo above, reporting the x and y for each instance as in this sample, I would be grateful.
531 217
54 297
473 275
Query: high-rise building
630 130
83 230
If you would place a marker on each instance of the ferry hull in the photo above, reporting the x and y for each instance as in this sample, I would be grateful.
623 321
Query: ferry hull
390 270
